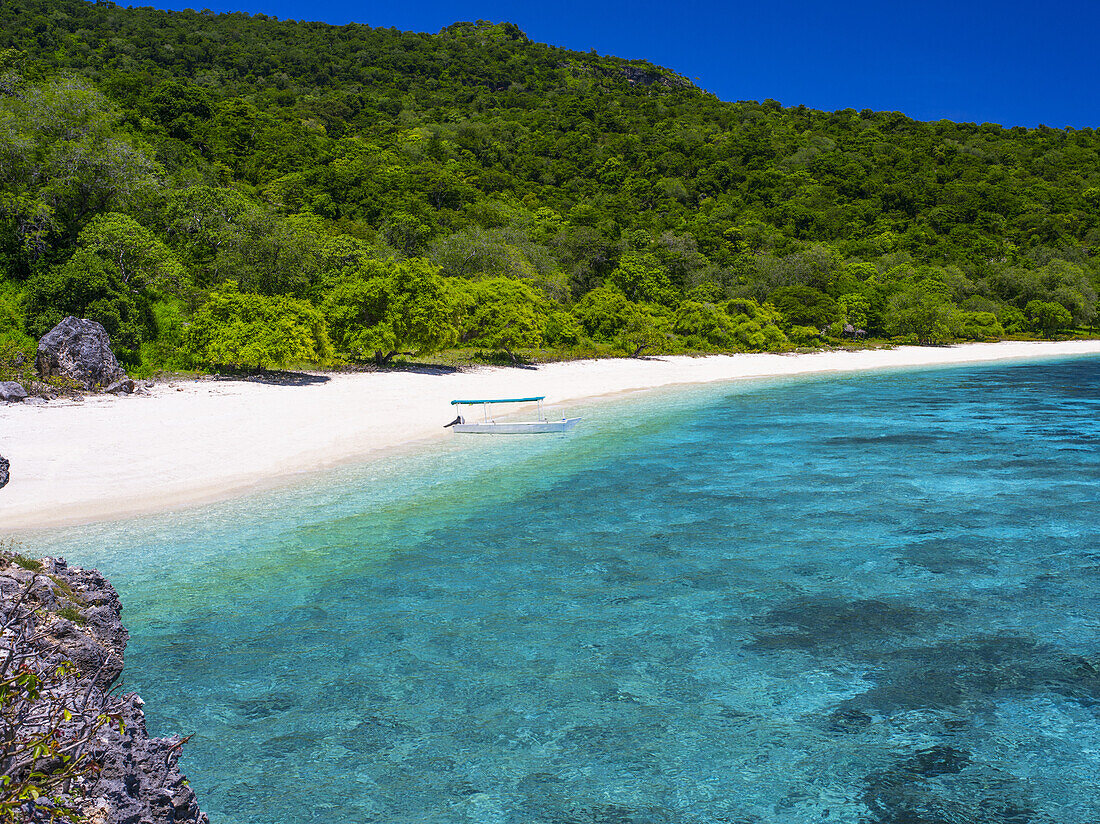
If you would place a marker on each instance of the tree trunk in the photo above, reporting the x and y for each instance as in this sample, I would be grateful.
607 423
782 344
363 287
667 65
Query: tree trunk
384 360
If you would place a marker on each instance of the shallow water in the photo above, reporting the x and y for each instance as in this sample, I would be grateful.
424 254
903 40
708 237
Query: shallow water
867 598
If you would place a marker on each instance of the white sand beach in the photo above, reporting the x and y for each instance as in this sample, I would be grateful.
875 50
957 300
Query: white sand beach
195 441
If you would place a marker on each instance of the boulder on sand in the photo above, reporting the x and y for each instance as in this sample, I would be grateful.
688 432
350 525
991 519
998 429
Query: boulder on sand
4 467
122 387
12 392
129 386
79 349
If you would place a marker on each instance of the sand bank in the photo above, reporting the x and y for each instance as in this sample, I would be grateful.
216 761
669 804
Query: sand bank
196 441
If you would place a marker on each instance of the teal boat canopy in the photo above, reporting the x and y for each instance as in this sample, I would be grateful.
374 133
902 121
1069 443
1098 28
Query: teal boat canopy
499 400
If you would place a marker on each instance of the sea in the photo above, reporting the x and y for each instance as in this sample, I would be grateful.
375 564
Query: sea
869 598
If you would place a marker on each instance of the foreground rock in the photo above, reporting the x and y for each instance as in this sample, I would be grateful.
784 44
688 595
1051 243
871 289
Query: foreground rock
80 350
12 392
54 613
122 387
4 474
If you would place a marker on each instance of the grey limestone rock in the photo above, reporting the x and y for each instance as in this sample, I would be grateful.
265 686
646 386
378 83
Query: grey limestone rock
5 466
79 349
138 777
12 392
648 77
122 387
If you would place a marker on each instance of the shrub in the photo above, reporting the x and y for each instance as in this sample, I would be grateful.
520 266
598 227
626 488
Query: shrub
756 326
703 324
562 329
804 335
980 326
245 329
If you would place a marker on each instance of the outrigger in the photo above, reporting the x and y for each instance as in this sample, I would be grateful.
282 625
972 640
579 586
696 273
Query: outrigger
488 426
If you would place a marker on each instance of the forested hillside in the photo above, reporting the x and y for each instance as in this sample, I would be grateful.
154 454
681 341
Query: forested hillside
234 189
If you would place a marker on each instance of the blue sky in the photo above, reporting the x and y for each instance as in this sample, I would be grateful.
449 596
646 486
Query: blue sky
1011 62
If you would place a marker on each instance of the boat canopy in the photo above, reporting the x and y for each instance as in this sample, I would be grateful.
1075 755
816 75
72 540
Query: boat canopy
499 400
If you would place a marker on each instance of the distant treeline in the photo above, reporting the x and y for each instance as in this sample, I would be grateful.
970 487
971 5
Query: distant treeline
238 189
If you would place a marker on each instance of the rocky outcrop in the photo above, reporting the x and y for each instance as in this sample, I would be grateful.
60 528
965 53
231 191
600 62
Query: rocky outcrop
646 76
80 350
852 332
640 74
54 613
4 471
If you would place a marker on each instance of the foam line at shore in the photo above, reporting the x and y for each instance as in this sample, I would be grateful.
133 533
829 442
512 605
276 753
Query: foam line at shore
198 441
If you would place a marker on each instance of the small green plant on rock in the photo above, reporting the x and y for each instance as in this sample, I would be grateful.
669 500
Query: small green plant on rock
71 614
50 714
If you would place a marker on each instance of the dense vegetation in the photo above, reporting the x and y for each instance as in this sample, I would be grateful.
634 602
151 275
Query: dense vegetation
239 189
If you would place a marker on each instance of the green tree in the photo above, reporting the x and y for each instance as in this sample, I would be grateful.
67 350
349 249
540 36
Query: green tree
644 326
387 306
114 277
1048 317
642 279
756 327
703 325
804 305
563 330
63 159
406 233
602 313
607 316
87 286
923 311
504 314
247 329
980 326
854 308
181 108
1012 319
136 256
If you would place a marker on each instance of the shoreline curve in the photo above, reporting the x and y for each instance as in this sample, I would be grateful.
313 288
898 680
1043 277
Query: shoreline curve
195 442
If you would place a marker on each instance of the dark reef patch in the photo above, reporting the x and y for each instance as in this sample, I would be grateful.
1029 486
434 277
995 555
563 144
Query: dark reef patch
265 706
378 733
895 439
821 623
946 556
965 674
848 720
942 785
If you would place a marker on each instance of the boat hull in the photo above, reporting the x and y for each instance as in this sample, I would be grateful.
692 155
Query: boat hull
516 427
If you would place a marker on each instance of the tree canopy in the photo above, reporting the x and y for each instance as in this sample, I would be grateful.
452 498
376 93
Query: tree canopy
536 196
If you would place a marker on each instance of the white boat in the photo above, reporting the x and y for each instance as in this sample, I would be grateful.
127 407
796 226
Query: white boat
488 426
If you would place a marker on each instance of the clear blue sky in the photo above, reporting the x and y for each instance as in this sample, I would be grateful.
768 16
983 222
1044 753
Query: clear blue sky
1008 62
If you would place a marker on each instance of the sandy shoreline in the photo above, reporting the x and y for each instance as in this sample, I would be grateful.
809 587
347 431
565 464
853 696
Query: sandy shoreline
198 441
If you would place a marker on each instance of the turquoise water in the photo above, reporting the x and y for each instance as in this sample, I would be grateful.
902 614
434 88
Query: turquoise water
853 599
